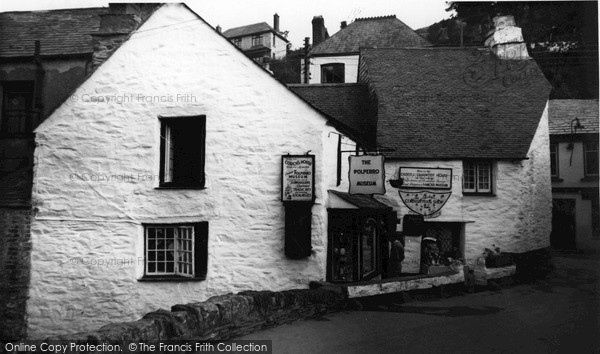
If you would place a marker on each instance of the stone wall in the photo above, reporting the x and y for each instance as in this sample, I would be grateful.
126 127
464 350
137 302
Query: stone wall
221 317
15 248
96 178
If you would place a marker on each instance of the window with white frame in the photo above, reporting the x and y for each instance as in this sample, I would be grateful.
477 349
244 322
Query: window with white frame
182 152
477 177
176 251
591 158
554 159
257 40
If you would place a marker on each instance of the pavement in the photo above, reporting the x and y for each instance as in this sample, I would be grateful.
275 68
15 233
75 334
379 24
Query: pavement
560 314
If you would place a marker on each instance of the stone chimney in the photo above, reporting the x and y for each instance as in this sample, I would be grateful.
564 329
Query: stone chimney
219 29
343 24
319 31
115 28
507 40
276 23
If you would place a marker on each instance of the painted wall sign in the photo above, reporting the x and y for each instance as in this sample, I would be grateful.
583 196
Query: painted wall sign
424 202
426 178
367 174
297 178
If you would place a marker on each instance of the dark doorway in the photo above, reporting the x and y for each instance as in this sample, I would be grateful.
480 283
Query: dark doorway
563 224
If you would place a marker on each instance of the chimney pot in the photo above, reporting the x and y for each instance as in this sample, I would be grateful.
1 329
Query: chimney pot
276 22
219 29
343 25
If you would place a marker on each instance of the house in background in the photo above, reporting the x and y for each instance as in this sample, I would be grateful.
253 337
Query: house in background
335 59
574 156
260 41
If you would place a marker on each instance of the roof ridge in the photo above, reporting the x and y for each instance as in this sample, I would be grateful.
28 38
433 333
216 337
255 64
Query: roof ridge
374 18
56 10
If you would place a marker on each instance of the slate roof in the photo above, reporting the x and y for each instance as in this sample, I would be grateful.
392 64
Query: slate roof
346 103
361 201
446 103
249 30
373 32
61 32
562 112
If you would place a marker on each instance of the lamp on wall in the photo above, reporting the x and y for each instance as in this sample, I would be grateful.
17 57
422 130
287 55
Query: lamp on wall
571 145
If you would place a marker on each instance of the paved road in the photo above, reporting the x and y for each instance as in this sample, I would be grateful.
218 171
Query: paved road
558 315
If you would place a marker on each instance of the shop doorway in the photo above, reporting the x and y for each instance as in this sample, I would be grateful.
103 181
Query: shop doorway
358 238
563 234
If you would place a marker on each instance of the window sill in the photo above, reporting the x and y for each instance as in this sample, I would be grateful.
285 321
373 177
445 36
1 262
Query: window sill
181 187
590 179
173 278
556 179
475 194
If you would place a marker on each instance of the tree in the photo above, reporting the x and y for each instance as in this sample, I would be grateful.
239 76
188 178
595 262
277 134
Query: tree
561 36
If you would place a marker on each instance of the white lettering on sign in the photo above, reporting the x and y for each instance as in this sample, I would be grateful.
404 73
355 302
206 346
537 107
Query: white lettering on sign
428 178
297 180
366 175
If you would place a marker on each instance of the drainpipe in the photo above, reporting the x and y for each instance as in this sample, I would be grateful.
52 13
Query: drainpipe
38 107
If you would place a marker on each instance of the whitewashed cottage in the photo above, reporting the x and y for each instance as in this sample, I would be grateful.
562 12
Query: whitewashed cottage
159 180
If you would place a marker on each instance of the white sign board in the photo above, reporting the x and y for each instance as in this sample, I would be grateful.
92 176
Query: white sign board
367 174
297 178
426 178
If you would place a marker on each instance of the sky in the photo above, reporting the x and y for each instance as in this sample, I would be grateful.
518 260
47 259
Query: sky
294 16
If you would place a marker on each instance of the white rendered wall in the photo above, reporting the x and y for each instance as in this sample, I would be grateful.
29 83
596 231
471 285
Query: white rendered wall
516 219
96 170
350 67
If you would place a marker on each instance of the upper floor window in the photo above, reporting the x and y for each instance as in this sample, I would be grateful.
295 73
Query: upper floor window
332 73
257 40
17 104
554 159
176 251
591 158
477 177
182 152
238 42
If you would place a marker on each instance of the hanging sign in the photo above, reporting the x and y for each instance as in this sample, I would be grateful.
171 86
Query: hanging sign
424 202
297 178
367 174
426 178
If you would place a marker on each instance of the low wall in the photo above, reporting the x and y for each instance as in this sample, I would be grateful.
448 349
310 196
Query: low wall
15 250
220 317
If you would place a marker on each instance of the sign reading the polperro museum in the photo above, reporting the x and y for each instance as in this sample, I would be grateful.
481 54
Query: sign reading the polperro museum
367 175
297 178
426 178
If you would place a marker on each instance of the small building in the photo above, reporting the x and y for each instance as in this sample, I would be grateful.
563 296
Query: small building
574 157
260 41
335 59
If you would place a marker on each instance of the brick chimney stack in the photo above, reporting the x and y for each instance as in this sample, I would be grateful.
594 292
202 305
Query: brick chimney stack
319 31
276 22
343 24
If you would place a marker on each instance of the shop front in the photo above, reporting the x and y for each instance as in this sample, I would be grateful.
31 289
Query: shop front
358 236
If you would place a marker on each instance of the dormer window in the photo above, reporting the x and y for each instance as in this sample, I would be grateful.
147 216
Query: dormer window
332 73
238 42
